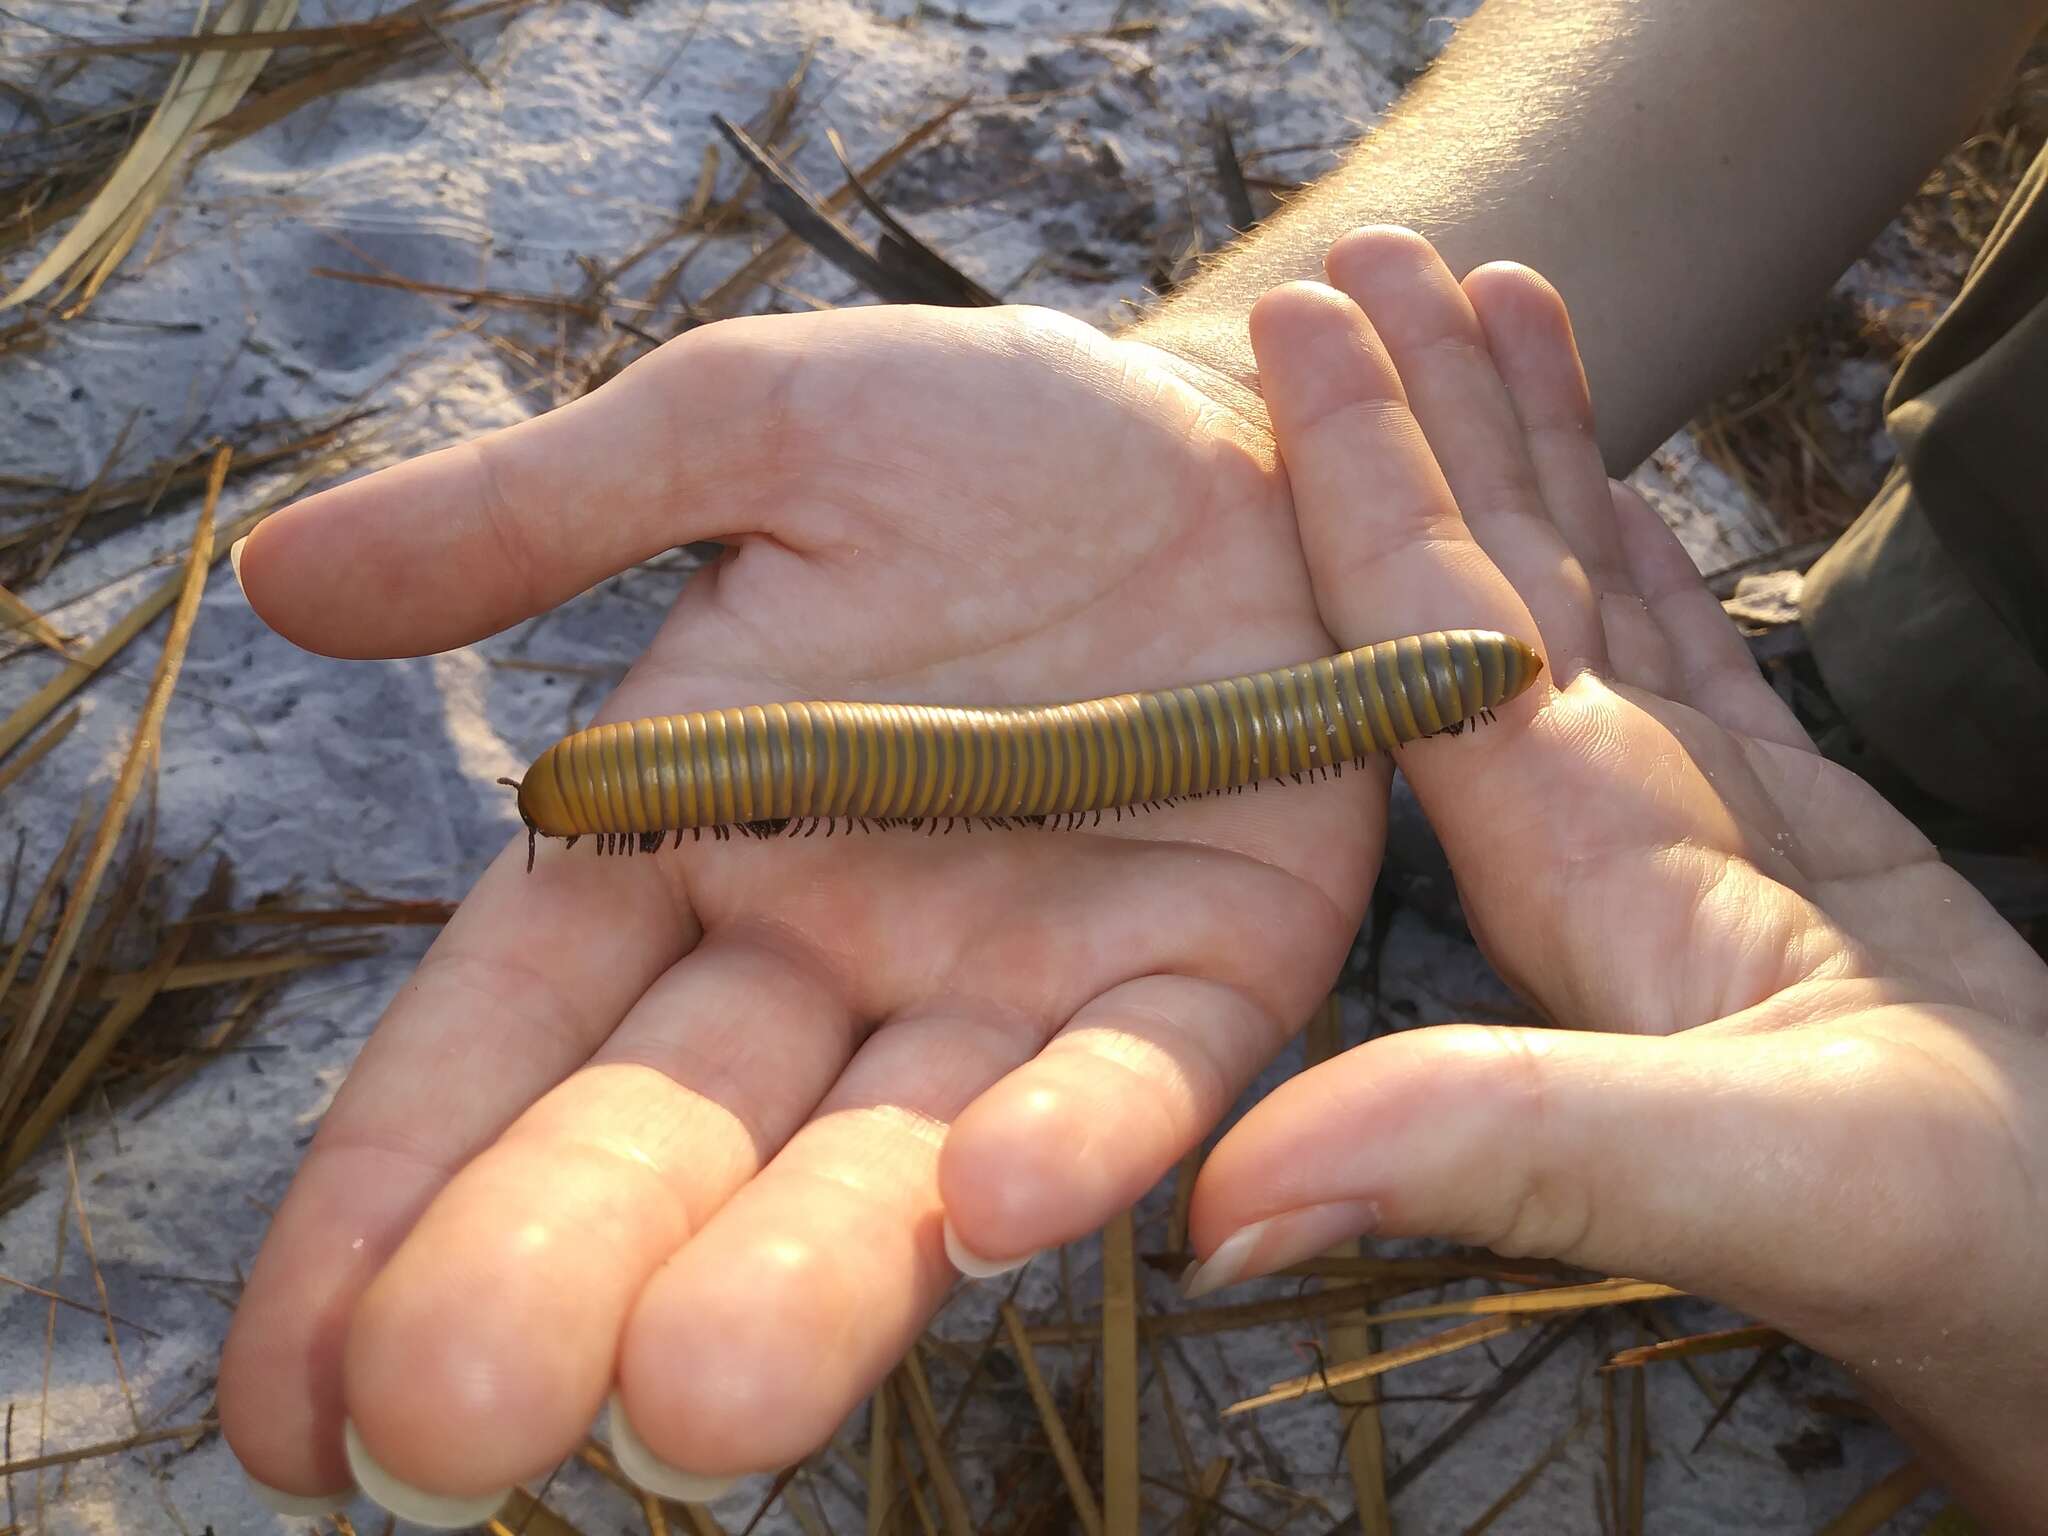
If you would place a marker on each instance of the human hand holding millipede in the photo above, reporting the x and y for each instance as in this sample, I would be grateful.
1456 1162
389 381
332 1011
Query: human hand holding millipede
1806 1073
693 1125
689 1125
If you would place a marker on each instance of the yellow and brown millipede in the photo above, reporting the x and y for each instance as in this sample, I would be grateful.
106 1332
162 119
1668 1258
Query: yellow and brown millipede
768 768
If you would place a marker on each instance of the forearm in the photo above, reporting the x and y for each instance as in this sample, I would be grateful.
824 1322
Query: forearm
1691 177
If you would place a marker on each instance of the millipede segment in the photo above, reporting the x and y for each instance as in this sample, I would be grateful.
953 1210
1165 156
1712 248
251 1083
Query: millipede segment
769 769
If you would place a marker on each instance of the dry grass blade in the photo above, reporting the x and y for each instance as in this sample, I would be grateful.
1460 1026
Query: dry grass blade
902 251
38 706
190 1431
1206 1492
388 914
1119 1378
1237 197
202 88
901 270
766 263
1546 1343
58 1298
1086 1511
1695 1344
1564 1298
99 1282
214 973
92 1055
142 752
525 1515
1880 1501
76 513
38 750
1953 1520
19 1056
39 629
1743 1383
53 880
1449 1341
1521 1485
881 1460
916 1394
378 29
1351 1336
1638 1455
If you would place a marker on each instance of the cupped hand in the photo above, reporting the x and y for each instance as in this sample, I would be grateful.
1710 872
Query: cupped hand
1806 1072
713 1128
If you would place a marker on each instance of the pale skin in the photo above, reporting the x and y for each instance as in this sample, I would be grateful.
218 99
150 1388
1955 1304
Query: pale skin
716 1106
719 1107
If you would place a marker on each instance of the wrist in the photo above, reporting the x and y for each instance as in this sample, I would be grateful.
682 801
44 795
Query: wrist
1212 352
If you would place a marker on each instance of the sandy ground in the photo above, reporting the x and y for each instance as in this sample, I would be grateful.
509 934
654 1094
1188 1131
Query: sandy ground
380 777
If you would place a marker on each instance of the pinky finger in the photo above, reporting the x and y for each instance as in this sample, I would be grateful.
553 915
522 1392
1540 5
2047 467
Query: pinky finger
1709 666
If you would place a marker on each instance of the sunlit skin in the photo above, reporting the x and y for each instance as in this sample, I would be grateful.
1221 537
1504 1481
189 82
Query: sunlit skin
1806 1072
691 1107
692 1123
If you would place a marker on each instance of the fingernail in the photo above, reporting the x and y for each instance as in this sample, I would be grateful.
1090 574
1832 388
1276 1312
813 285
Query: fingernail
649 1471
1277 1242
973 1265
436 1511
235 558
300 1506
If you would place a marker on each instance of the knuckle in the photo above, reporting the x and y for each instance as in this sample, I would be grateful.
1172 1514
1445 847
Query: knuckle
1543 1208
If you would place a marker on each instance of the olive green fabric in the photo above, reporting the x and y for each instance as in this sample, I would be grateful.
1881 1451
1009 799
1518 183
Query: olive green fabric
1929 618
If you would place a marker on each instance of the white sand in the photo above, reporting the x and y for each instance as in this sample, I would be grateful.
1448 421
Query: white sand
381 776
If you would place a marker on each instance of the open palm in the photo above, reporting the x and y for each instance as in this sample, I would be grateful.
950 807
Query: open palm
673 1126
1808 1068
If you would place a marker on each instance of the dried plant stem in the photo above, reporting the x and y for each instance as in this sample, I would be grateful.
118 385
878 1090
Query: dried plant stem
1119 1378
45 699
108 1447
1521 1485
1085 1508
916 1393
1351 1336
212 973
1881 1501
39 629
1564 1298
1696 1344
881 1460
1450 1340
142 755
38 749
92 1055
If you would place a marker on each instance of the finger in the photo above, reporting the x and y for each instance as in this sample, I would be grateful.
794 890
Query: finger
1454 389
1773 1154
1529 336
1638 650
1387 550
1715 672
752 1344
482 1351
527 978
1085 1128
446 549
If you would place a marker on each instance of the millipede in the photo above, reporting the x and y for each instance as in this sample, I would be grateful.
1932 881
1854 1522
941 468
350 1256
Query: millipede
769 769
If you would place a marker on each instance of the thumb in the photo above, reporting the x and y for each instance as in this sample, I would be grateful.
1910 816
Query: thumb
1796 1177
445 549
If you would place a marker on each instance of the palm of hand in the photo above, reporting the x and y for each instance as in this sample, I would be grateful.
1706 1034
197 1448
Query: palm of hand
690 1108
1818 1088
